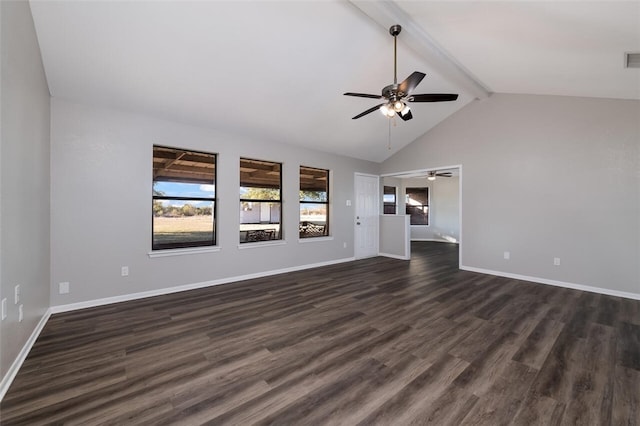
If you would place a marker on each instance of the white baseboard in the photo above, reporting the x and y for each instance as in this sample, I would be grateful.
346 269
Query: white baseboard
609 292
17 363
394 256
435 240
168 290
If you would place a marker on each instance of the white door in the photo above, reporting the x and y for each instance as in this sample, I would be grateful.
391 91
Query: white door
367 212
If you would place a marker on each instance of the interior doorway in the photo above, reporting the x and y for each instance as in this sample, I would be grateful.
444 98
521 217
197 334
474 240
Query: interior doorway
433 198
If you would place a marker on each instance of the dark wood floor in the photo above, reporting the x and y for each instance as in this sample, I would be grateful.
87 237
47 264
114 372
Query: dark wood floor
377 341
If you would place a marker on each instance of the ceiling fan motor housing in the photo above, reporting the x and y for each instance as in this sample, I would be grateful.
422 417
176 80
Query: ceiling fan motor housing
392 93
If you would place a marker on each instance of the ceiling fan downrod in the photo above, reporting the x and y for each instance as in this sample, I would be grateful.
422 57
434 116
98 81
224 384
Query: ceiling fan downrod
394 31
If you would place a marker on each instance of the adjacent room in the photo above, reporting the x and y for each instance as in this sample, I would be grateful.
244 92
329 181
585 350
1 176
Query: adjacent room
319 212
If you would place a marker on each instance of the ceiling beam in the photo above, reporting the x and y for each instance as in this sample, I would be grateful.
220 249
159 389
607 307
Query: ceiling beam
387 13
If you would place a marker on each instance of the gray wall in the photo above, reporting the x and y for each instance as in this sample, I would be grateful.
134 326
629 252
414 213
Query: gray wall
394 236
544 177
101 204
24 179
445 209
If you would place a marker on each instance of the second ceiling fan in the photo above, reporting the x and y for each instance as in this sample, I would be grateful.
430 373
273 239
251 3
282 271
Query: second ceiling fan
396 96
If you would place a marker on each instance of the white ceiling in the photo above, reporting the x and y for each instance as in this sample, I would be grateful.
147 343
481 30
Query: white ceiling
277 70
571 48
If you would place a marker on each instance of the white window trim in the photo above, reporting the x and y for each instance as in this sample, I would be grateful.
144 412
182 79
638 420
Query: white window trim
183 251
256 244
313 239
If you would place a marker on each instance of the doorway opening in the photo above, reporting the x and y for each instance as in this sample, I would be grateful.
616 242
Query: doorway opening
432 197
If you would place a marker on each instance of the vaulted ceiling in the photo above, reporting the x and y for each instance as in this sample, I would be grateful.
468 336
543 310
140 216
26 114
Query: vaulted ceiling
277 70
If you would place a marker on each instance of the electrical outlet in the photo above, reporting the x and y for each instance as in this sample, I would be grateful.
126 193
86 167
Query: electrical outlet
344 245
124 271
4 308
507 255
348 203
16 294
20 313
63 288
556 261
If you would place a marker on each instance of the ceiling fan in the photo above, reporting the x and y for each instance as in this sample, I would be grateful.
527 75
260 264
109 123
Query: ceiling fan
397 95
432 175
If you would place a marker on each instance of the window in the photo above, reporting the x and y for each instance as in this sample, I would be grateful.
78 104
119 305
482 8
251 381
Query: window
184 198
314 202
389 200
260 200
417 205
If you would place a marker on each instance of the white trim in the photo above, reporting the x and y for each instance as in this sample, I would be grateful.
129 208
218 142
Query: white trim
460 216
17 363
183 251
313 239
433 240
609 292
395 256
256 244
185 287
407 172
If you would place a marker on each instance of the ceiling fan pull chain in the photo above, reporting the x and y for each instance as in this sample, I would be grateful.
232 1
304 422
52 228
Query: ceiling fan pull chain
389 140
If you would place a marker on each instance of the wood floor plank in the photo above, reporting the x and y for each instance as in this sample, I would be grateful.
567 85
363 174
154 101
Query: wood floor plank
536 348
422 390
626 398
499 405
375 341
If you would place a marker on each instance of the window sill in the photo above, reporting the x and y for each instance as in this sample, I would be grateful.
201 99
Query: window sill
314 239
183 251
257 244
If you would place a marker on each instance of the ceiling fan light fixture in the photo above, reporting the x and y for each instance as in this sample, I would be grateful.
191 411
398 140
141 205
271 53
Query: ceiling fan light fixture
387 110
405 110
398 106
432 176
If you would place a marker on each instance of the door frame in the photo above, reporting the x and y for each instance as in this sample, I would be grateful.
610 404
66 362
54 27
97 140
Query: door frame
356 175
400 174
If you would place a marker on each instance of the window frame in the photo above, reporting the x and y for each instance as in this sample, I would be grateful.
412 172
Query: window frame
278 234
193 244
395 199
327 228
427 205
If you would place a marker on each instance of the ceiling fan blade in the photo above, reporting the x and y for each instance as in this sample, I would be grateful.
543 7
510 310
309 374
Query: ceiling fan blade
370 110
433 97
444 174
363 95
406 117
411 82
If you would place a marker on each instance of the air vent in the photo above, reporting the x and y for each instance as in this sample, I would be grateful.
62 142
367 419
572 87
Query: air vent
632 60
